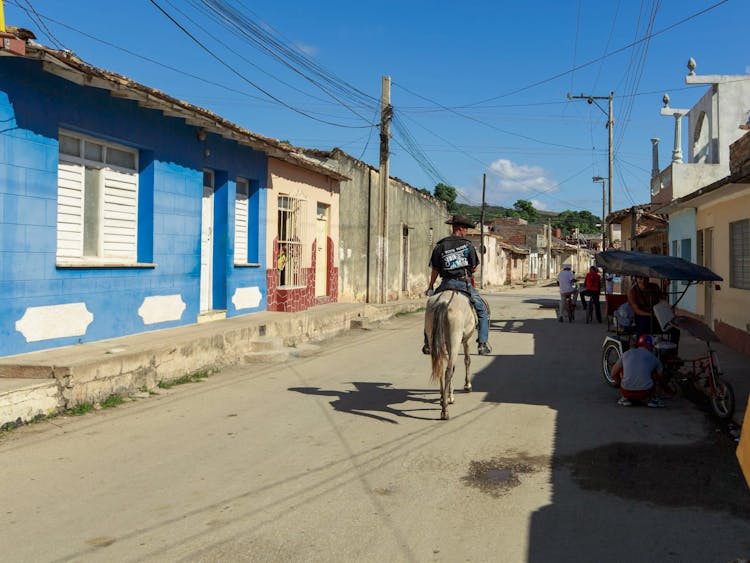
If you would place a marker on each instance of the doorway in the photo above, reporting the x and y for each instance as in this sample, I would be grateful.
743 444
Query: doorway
207 242
321 250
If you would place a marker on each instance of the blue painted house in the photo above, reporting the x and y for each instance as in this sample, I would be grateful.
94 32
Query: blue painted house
122 209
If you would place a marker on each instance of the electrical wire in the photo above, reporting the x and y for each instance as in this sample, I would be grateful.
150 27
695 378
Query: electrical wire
596 60
245 79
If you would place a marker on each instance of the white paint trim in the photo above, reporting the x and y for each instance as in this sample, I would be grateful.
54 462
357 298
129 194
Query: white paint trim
54 321
246 297
161 308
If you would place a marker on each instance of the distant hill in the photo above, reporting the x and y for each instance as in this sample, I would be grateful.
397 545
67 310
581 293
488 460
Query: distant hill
567 221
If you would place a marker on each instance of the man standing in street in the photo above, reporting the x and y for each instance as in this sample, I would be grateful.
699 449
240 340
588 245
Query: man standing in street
455 259
592 286
565 280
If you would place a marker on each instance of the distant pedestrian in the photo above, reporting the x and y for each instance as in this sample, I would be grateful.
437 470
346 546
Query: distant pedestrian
592 288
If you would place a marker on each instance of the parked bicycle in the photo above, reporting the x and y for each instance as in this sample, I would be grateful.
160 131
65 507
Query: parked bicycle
590 310
681 375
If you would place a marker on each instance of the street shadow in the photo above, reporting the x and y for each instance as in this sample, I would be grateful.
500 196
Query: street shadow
369 398
543 303
611 499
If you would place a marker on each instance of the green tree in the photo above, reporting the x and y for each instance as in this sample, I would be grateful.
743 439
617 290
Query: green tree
584 221
526 210
448 195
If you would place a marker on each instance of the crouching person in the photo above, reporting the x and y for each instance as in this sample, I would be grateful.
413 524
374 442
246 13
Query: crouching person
638 372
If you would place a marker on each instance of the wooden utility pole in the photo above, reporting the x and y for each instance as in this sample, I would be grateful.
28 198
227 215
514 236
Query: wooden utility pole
481 234
611 127
549 248
386 113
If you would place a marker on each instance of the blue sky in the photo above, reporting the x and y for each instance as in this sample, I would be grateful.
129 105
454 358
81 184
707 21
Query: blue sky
478 87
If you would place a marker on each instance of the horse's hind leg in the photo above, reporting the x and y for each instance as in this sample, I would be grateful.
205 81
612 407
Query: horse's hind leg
449 378
467 365
446 397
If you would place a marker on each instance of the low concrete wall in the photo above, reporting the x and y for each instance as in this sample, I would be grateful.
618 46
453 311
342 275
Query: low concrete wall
92 373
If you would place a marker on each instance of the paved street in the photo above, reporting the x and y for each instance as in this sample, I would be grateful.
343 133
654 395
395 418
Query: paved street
341 457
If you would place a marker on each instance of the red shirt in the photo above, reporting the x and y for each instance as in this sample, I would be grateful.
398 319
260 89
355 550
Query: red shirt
593 282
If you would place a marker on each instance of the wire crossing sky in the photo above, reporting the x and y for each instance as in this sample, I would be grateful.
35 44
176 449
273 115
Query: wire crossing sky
477 88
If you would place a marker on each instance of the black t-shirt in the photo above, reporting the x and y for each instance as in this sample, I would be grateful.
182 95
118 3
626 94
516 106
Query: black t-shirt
454 257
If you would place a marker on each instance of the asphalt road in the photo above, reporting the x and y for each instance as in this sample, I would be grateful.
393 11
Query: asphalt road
341 457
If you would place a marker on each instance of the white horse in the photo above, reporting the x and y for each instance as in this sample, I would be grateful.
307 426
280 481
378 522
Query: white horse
449 320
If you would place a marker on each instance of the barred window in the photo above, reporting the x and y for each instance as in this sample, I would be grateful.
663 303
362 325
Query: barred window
699 256
739 254
289 251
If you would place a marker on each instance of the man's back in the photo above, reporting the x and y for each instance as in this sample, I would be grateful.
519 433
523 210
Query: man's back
638 365
565 279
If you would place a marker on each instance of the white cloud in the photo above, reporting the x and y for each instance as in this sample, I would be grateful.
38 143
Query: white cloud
508 181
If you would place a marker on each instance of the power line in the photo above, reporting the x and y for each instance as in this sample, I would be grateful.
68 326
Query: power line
519 135
605 56
245 79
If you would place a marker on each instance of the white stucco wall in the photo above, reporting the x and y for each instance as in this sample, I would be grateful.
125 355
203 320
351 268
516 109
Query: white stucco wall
682 226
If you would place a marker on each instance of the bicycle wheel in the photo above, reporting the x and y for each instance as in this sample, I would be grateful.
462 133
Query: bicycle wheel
571 310
722 400
611 353
590 311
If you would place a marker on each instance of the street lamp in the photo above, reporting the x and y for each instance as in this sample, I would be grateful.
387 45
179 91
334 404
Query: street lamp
604 217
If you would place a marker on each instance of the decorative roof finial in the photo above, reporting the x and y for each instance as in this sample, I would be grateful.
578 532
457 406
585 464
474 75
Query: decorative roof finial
691 66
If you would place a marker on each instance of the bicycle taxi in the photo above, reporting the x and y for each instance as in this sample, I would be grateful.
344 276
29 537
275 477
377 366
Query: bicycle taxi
701 373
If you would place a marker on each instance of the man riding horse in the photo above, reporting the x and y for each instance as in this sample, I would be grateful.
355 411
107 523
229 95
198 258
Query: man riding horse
455 259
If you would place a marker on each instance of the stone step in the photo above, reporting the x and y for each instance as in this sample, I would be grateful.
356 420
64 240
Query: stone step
266 344
268 356
305 350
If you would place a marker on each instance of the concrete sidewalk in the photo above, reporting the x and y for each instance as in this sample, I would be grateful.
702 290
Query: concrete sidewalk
50 381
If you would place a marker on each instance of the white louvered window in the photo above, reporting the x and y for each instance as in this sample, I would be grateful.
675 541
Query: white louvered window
240 221
97 204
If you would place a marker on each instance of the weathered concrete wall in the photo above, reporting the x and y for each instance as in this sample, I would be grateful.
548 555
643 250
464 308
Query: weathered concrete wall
415 222
71 376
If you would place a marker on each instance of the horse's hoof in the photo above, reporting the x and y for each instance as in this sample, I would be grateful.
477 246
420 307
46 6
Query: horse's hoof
450 401
467 388
444 416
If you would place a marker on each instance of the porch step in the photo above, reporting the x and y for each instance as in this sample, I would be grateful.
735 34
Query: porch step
265 344
210 316
22 400
305 350
268 356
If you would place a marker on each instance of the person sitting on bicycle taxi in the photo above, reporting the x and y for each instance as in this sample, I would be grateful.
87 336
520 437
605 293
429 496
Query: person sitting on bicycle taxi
638 372
565 280
455 259
642 296
592 286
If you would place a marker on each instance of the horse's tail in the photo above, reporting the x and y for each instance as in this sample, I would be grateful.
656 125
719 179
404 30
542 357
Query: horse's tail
440 342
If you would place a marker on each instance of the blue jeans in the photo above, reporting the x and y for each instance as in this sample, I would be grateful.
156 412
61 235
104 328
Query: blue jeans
476 301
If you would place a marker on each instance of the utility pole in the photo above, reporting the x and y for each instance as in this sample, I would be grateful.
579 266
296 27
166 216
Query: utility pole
481 234
386 113
549 248
610 127
604 225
